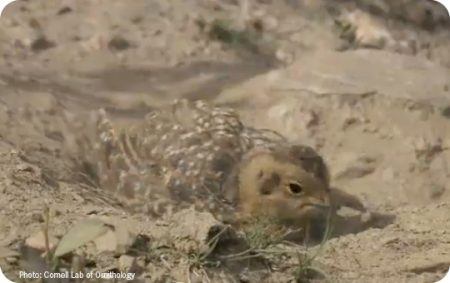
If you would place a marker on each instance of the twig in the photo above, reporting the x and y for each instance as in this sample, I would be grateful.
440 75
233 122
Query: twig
228 257
212 243
45 231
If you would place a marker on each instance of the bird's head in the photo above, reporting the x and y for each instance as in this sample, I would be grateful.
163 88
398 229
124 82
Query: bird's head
288 184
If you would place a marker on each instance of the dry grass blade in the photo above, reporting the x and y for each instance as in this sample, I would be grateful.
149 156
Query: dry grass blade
305 269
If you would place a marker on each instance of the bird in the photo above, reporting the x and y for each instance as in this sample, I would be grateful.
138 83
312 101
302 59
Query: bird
203 154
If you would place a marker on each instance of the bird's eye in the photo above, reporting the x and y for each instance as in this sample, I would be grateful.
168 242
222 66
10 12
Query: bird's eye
295 188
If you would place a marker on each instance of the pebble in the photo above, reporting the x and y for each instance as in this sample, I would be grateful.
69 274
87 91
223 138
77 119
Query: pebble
126 262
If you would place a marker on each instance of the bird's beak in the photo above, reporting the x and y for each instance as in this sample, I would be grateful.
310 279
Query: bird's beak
323 202
319 204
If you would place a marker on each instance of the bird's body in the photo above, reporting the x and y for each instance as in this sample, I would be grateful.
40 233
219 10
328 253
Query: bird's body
205 155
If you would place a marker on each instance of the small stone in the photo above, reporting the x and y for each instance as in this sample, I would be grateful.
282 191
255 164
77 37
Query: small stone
34 24
118 43
37 217
284 56
23 167
366 217
371 129
349 122
126 262
193 230
37 241
436 191
446 112
64 10
106 242
41 44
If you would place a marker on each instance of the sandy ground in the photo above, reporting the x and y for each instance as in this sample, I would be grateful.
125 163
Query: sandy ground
366 83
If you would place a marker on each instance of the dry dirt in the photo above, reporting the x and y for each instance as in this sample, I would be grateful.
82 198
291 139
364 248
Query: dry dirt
366 83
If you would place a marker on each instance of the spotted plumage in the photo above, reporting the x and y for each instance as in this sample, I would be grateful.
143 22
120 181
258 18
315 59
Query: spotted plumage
205 155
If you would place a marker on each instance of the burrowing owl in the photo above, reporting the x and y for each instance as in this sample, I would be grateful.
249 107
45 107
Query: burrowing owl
204 154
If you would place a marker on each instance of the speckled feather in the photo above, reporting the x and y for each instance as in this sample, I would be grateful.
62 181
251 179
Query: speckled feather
191 148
